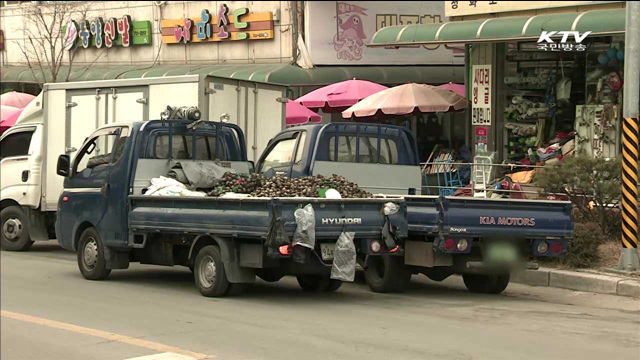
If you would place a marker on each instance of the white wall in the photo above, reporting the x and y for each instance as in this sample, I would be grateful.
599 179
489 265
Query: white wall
276 50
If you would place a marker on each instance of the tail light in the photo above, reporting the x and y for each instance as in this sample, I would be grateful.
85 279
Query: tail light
285 250
543 247
556 248
449 244
375 246
462 245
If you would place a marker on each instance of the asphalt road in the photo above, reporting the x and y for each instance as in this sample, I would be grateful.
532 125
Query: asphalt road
148 312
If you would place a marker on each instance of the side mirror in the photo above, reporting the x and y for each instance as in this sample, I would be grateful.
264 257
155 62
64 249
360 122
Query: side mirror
63 165
252 167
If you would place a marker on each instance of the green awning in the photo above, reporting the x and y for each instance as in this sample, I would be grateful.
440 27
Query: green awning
281 74
599 22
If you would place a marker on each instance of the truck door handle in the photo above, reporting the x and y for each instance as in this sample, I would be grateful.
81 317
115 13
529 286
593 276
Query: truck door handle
25 176
105 189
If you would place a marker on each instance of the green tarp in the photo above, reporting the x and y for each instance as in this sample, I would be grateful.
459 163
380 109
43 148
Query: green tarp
282 74
599 22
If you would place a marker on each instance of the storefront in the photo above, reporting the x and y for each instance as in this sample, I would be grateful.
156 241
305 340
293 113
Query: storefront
541 85
260 42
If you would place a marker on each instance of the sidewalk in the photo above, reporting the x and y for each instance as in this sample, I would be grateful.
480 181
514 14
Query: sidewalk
608 282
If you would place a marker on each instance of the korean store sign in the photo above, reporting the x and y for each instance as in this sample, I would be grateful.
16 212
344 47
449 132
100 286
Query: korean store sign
463 8
223 25
109 32
546 43
481 95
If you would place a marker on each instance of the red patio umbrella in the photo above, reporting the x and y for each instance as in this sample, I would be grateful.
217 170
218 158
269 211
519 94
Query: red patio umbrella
339 96
16 99
298 114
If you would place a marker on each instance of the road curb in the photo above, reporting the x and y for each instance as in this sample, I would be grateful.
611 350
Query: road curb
580 281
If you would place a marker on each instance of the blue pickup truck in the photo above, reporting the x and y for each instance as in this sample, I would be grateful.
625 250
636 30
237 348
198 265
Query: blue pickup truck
482 239
107 220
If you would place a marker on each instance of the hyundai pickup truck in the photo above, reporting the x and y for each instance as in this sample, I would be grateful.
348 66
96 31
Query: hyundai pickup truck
106 219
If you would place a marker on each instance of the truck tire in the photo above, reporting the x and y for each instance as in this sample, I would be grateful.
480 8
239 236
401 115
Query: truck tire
91 261
318 283
210 277
14 230
486 284
387 274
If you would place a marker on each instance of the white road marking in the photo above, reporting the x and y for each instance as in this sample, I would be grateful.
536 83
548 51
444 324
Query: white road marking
164 356
189 355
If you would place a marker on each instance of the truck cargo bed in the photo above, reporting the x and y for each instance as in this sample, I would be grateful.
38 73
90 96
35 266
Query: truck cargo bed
251 217
506 217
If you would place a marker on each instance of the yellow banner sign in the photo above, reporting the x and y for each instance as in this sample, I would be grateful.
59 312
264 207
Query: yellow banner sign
237 25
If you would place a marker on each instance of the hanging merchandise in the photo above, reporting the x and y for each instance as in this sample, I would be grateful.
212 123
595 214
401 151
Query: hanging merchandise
603 58
614 81
597 128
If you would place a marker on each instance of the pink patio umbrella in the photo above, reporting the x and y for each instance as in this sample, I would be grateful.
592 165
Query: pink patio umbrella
456 88
298 114
8 116
9 121
339 96
16 99
407 99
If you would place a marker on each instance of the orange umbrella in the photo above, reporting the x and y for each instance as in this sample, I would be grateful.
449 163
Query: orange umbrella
407 99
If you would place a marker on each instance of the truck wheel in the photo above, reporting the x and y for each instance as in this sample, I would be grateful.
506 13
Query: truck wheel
486 284
211 279
387 274
15 230
318 283
91 261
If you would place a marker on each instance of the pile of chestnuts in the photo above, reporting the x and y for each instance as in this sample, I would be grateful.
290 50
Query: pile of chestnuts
256 185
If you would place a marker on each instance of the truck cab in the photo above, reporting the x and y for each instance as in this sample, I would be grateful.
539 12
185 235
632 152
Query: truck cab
21 158
349 149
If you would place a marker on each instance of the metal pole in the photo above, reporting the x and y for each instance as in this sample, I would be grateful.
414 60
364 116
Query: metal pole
629 257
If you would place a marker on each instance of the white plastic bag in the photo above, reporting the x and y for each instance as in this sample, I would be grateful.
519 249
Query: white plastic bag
390 208
344 258
163 186
305 234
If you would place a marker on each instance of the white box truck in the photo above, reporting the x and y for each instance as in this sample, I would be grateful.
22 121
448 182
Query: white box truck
59 119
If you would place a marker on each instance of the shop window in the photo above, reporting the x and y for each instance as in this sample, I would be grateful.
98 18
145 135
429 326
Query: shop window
16 144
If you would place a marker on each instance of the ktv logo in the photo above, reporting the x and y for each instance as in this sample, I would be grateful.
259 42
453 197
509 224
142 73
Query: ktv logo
546 43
